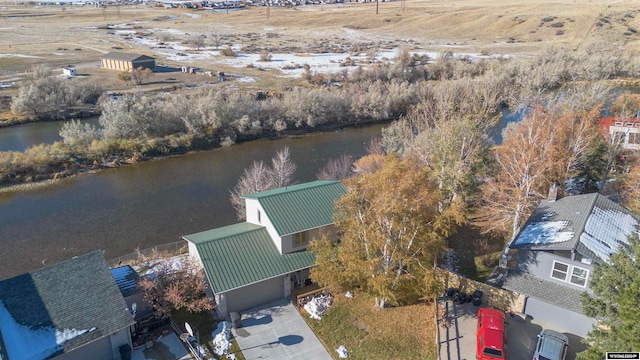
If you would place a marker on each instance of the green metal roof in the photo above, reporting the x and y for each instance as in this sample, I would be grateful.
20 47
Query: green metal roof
241 254
300 207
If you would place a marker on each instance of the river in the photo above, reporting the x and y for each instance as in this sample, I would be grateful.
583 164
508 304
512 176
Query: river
146 204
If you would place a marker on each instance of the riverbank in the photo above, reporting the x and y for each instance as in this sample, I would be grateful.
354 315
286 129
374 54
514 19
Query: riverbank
43 180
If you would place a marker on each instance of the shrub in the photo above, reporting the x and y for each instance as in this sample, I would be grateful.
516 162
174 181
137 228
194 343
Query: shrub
228 52
265 55
557 25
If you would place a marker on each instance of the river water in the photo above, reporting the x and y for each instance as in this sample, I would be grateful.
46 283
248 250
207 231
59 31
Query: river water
146 204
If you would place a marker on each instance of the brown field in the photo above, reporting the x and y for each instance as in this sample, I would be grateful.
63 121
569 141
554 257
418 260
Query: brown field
79 35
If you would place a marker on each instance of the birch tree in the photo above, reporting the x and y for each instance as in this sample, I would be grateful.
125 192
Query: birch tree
543 149
260 177
389 229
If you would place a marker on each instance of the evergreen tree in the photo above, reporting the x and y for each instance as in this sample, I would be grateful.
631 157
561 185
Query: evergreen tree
616 290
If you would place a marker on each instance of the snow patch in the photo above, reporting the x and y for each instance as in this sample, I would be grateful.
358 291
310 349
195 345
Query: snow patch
24 342
544 232
246 79
348 295
222 339
317 306
19 56
342 352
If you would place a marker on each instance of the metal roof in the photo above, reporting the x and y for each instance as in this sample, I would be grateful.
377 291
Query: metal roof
296 208
592 225
126 56
242 254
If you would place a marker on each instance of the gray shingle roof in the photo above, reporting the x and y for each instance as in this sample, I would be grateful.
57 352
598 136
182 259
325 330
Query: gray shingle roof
591 224
546 291
238 255
79 294
296 208
126 56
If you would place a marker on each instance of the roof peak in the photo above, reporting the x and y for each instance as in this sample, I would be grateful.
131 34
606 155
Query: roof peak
289 189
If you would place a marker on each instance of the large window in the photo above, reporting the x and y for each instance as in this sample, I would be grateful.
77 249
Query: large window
579 276
573 274
560 271
300 239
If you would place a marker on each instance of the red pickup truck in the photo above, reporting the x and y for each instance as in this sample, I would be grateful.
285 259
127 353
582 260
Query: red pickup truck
491 342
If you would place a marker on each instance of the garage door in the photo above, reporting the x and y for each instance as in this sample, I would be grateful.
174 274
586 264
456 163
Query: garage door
256 294
560 318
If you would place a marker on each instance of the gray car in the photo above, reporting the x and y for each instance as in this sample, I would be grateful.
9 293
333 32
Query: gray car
552 345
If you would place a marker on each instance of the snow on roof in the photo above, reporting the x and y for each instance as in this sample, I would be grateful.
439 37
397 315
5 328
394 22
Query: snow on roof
544 232
24 342
606 230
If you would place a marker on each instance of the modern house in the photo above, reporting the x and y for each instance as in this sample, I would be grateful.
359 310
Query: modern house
625 131
127 61
556 249
70 310
257 261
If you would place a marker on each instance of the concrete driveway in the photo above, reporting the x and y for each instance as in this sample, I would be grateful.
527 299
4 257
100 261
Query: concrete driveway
458 338
276 331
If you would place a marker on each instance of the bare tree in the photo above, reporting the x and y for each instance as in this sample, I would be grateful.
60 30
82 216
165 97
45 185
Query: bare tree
282 169
177 289
337 169
261 177
140 74
217 37
197 40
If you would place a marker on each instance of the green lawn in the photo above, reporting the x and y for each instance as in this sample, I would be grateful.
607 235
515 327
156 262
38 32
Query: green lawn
204 324
483 272
405 332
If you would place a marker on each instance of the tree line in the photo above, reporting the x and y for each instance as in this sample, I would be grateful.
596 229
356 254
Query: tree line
140 125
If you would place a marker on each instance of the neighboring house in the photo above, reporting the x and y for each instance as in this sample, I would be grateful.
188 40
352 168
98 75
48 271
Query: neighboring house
127 61
555 252
254 262
70 310
625 131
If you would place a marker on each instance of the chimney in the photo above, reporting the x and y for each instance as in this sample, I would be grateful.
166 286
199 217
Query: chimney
553 193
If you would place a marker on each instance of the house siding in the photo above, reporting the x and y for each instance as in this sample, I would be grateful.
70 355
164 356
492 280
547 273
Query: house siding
540 264
252 208
106 348
288 240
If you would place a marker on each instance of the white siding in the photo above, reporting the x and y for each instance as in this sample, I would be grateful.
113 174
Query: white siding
252 206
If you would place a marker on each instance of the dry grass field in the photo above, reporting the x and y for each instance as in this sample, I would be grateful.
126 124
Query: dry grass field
79 35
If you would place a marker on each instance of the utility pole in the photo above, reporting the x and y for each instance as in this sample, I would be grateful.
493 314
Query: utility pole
377 1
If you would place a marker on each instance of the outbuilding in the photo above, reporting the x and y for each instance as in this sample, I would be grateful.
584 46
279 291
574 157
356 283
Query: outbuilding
127 61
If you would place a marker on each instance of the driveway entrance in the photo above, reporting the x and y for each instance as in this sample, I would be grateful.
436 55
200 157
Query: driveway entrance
276 331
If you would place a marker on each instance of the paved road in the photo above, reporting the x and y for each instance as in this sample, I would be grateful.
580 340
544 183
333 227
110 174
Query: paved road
458 339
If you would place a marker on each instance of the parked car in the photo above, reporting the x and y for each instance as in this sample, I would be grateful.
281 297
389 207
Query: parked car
491 341
552 345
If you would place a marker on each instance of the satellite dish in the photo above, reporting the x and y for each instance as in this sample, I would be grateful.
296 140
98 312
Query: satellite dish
134 307
188 327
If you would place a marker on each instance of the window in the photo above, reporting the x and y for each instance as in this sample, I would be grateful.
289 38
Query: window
579 276
300 239
560 271
634 138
